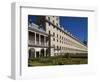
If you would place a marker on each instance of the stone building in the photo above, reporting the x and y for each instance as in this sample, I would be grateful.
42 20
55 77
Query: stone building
48 38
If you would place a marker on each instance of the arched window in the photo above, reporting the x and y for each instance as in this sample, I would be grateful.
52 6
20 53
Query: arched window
31 53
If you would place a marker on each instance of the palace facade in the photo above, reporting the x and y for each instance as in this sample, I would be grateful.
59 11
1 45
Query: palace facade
47 38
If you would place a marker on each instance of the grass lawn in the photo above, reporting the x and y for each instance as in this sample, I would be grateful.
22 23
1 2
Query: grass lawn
58 60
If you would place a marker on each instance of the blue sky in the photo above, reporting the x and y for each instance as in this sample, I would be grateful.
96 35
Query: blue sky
78 26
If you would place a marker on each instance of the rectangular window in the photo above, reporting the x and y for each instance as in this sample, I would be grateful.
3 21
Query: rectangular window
60 41
53 22
57 35
53 39
60 36
49 32
53 34
49 23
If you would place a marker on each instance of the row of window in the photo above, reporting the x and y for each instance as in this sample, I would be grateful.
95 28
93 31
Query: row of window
65 42
68 42
57 29
59 47
65 48
60 37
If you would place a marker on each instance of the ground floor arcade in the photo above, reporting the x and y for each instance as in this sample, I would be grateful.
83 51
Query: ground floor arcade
35 52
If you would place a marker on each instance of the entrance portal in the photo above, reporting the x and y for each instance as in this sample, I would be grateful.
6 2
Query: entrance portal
37 54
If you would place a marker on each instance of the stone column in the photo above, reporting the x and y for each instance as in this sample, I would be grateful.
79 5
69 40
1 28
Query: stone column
39 39
45 40
35 54
35 38
44 52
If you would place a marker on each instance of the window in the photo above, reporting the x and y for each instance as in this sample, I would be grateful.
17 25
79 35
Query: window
49 32
57 35
53 34
49 23
57 47
60 41
57 40
57 24
53 22
53 39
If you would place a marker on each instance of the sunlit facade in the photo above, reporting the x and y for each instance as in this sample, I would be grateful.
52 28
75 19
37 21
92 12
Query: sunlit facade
48 38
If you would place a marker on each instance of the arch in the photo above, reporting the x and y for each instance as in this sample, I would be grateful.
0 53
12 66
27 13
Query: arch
47 52
31 53
42 53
